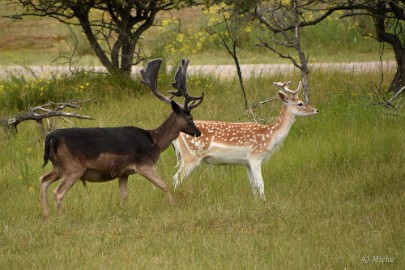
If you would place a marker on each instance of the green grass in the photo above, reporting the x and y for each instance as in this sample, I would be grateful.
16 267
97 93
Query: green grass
335 189
335 192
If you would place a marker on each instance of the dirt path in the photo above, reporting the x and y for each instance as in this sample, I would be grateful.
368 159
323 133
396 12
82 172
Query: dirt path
222 71
248 70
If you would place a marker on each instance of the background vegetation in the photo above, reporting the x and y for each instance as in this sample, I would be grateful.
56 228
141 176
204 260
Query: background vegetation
335 190
182 34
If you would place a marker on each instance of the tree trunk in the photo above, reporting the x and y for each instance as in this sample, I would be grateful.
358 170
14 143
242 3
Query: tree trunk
303 66
242 86
383 34
127 57
304 76
131 39
83 17
399 79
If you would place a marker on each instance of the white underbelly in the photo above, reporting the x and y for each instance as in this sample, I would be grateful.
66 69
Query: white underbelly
228 156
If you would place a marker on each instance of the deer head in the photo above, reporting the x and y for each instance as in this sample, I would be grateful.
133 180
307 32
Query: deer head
295 105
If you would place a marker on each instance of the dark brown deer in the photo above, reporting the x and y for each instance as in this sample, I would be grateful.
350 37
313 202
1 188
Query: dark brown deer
104 154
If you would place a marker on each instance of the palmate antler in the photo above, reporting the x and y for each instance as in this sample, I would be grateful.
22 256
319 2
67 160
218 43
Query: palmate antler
150 75
284 88
180 84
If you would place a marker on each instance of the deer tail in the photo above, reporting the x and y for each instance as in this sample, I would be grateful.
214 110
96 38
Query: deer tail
48 149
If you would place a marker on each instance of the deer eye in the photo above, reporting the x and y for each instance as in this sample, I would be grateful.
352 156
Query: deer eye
300 104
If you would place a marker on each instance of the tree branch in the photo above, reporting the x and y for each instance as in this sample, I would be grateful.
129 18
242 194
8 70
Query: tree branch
48 110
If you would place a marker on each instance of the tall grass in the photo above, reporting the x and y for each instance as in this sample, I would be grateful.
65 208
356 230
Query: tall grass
19 92
335 192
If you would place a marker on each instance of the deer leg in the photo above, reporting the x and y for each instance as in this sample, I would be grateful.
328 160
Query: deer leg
123 183
150 173
256 178
44 182
187 165
67 183
251 179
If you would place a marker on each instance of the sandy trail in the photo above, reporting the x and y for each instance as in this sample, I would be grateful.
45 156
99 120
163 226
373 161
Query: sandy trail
221 71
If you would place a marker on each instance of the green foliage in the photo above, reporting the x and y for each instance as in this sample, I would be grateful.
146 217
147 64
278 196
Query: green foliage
336 184
336 36
182 34
319 41
22 92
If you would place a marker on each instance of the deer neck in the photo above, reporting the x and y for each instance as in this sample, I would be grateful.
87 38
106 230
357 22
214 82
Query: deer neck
166 132
283 124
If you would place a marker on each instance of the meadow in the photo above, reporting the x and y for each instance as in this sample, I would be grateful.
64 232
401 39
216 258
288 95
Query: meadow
335 192
335 189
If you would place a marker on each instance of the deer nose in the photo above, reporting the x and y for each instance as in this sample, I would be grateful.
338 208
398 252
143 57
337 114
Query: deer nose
197 133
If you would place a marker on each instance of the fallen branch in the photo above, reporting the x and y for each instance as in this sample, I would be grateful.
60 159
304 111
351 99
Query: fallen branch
41 112
260 103
395 95
251 114
380 99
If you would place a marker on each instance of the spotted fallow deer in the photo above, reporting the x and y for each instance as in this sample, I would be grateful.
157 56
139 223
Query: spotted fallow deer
240 143
104 154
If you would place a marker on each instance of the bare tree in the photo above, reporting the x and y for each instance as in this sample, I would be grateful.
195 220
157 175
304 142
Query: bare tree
388 17
284 20
112 28
389 23
229 39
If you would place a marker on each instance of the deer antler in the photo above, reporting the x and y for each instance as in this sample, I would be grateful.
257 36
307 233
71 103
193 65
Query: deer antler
180 84
150 76
283 87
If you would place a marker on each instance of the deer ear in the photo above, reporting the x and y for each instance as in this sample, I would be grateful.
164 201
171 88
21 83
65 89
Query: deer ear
175 107
284 98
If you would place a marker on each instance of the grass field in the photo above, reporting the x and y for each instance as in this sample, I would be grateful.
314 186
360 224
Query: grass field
335 192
